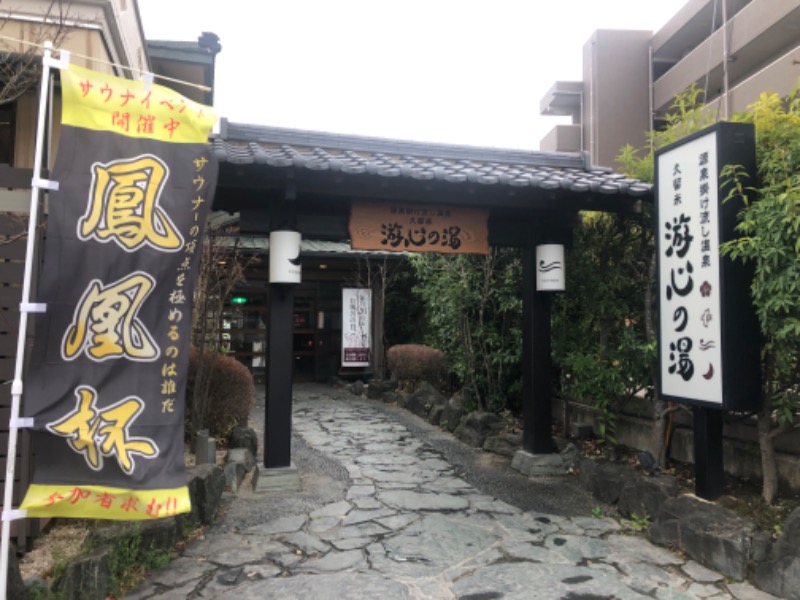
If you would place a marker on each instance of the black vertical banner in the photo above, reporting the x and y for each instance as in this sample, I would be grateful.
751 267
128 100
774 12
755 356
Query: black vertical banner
107 376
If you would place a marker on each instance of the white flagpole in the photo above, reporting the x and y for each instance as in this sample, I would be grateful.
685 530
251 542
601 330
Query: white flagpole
25 307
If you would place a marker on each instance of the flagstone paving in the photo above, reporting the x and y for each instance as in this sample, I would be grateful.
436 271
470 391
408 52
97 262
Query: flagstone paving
405 525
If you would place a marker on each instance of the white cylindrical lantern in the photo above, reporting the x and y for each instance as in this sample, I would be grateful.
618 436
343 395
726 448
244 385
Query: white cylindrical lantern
284 257
550 273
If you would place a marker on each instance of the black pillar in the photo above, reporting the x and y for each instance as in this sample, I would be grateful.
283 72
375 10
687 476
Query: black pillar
278 413
709 470
378 317
537 401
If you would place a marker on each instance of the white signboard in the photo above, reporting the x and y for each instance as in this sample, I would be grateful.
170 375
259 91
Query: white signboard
688 229
284 257
550 276
356 316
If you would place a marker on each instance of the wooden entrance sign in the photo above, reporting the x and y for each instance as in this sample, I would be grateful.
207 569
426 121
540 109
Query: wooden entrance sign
400 227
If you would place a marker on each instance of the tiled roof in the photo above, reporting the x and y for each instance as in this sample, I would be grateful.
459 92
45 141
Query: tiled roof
260 243
191 52
357 155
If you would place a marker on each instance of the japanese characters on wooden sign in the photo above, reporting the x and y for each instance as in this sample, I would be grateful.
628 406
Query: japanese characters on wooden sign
107 377
400 227
708 334
356 316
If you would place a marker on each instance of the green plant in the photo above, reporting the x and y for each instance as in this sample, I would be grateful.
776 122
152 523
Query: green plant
129 561
591 379
414 363
404 322
157 558
600 339
40 594
124 558
640 522
188 526
597 512
687 115
60 563
777 532
61 560
769 240
222 267
473 313
229 396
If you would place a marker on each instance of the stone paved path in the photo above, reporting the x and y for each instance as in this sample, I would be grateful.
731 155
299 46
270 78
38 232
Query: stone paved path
408 527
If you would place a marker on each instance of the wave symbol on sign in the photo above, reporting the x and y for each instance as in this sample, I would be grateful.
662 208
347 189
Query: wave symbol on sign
547 267
707 345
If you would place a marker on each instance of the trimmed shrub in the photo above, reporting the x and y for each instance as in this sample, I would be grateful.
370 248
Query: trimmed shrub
229 394
414 363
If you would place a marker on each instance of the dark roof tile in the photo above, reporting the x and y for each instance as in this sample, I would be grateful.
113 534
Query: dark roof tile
355 155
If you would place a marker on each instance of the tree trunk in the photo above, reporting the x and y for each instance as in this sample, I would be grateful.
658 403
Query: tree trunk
766 442
660 429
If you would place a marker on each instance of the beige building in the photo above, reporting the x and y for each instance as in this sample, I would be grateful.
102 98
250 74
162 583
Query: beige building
103 35
731 49
97 33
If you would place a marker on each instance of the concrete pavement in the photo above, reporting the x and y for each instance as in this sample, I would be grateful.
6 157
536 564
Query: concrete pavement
392 508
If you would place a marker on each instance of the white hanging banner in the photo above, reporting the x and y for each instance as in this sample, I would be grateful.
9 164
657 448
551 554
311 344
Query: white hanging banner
356 316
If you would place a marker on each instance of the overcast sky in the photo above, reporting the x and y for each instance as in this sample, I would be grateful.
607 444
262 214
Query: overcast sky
457 71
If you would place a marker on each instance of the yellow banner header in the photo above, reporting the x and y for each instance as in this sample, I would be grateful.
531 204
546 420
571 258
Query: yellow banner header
102 102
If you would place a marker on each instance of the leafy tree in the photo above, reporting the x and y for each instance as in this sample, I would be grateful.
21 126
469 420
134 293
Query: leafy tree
686 116
473 313
404 320
599 338
604 329
770 241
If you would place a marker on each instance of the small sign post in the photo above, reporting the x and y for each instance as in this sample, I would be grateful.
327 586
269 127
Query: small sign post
356 318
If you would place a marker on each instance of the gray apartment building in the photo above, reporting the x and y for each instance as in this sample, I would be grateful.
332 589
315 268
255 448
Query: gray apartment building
732 49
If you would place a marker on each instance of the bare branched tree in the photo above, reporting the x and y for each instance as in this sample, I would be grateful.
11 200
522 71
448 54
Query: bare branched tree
377 274
20 63
222 267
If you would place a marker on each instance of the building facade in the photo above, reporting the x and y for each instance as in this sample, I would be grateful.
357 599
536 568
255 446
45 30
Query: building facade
732 50
96 33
